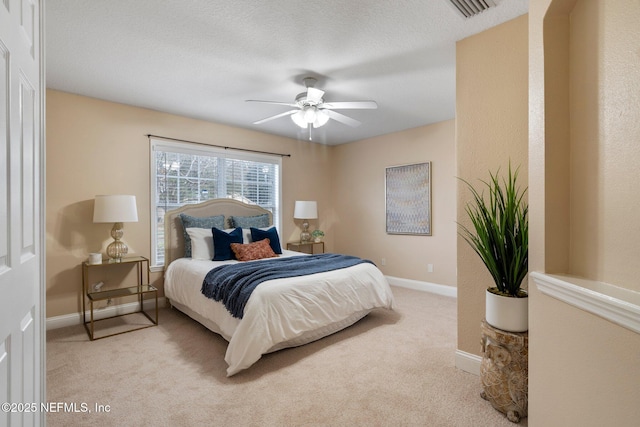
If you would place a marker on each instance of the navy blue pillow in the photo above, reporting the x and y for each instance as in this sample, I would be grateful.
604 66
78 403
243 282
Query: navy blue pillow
222 243
271 234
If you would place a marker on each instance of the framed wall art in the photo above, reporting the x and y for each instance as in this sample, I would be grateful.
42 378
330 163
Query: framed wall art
408 199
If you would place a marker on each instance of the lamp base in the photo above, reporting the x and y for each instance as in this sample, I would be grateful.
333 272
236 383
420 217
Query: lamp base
305 236
117 249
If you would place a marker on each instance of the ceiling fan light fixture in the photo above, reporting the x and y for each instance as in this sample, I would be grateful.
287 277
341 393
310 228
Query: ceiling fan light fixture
309 114
321 119
298 118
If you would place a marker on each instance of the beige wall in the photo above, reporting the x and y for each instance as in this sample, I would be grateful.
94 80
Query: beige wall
584 75
605 141
98 147
358 182
491 130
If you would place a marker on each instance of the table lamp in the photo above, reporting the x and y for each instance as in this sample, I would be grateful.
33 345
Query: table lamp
305 210
116 209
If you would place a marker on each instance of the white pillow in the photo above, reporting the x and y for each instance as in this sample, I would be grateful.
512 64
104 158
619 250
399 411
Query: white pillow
201 243
246 236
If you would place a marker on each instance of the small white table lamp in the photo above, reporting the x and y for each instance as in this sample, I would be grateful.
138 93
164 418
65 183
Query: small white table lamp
305 210
116 209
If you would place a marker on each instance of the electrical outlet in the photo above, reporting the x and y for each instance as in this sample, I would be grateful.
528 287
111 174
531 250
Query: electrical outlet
429 268
383 261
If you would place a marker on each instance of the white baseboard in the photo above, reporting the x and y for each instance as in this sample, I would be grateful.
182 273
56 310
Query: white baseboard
76 318
434 288
468 362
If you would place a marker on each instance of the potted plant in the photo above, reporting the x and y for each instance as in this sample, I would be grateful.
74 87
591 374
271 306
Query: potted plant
500 236
317 235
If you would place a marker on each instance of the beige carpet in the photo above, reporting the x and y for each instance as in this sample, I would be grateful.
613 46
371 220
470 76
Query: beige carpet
389 369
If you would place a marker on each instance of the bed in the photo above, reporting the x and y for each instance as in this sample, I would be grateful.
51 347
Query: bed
280 313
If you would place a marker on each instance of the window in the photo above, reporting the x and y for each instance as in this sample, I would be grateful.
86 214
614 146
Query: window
183 173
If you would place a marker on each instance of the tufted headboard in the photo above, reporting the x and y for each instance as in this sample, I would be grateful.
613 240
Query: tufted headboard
173 233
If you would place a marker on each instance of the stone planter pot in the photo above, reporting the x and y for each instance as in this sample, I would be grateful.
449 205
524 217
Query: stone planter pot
507 313
504 371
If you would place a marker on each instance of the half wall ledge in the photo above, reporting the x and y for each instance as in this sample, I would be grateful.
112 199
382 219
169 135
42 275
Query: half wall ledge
618 305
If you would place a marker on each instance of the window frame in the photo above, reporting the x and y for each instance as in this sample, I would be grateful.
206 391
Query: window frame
196 149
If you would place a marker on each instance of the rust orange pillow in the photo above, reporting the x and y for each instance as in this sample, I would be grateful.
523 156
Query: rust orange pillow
252 251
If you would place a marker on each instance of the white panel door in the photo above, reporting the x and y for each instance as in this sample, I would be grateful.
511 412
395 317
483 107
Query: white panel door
21 213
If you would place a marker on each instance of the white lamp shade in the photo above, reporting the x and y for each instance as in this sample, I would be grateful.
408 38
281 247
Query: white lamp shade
305 210
115 208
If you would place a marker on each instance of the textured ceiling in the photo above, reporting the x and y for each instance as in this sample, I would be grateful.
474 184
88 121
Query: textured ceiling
204 58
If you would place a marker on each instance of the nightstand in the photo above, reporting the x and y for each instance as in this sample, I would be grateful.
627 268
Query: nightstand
142 289
306 247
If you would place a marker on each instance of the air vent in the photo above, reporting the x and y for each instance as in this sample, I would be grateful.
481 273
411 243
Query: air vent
469 8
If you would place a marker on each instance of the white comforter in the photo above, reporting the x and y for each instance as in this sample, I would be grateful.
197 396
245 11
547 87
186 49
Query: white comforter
280 313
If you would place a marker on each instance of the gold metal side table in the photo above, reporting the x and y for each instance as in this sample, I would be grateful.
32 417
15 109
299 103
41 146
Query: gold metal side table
142 289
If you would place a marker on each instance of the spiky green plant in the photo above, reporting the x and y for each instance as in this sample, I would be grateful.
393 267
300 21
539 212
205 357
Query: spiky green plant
500 234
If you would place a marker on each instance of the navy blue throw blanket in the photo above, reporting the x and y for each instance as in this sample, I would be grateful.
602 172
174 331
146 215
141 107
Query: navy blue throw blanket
233 283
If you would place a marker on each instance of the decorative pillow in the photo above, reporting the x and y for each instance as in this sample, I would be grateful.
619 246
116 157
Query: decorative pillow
250 221
201 243
246 235
271 234
189 221
253 251
222 243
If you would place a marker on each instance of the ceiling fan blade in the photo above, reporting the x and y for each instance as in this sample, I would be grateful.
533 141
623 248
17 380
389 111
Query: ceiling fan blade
342 118
314 95
272 102
351 105
277 116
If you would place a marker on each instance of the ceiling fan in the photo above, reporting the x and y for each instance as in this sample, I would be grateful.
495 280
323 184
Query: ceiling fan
312 111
